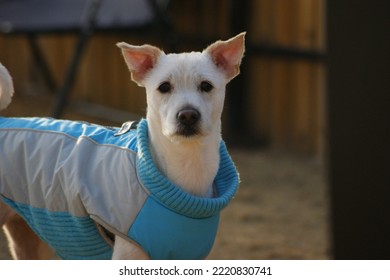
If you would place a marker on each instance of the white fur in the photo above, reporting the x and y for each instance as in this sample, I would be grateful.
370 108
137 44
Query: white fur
189 161
6 87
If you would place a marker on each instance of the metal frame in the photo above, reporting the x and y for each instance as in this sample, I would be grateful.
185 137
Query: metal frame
84 33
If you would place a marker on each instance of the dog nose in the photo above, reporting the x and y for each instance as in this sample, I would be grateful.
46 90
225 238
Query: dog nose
188 117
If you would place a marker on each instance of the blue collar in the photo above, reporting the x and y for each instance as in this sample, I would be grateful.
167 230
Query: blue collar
226 182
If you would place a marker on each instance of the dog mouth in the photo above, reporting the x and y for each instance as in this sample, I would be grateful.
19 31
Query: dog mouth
187 132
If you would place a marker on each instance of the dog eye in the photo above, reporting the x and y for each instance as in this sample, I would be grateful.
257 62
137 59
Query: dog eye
165 87
206 86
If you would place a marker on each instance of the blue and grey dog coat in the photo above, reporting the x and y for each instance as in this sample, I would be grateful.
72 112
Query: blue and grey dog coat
66 179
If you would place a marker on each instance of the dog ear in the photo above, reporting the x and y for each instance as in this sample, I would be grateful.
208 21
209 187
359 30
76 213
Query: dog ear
227 55
139 59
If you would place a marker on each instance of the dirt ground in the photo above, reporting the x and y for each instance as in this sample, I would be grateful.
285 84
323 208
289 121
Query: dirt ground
280 211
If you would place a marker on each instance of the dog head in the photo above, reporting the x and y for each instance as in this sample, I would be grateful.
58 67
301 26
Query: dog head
185 91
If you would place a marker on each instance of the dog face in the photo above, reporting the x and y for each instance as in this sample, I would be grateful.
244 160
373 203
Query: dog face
186 91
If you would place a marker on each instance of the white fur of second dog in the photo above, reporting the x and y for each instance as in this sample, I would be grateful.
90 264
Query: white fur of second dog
6 87
185 96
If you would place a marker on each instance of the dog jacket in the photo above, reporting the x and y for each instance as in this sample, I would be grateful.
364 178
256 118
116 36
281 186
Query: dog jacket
68 179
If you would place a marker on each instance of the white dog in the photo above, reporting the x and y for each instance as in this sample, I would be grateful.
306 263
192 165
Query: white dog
151 192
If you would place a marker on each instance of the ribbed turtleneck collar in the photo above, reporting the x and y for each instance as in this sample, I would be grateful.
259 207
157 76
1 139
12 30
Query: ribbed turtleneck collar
226 182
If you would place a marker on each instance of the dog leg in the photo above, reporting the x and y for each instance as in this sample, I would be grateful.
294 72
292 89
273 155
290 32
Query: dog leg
125 250
23 242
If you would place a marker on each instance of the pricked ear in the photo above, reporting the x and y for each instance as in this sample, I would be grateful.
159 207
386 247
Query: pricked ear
227 55
139 59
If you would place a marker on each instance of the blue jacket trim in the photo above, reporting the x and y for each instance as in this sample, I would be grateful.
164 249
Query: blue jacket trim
100 134
74 238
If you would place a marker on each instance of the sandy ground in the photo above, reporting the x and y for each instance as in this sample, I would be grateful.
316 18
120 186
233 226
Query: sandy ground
280 211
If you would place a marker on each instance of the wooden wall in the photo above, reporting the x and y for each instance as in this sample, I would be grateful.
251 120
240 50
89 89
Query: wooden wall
285 98
286 94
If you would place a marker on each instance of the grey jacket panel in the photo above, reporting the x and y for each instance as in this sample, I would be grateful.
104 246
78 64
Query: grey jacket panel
60 173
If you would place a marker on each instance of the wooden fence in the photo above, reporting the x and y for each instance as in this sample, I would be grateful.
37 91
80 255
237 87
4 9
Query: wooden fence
286 93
